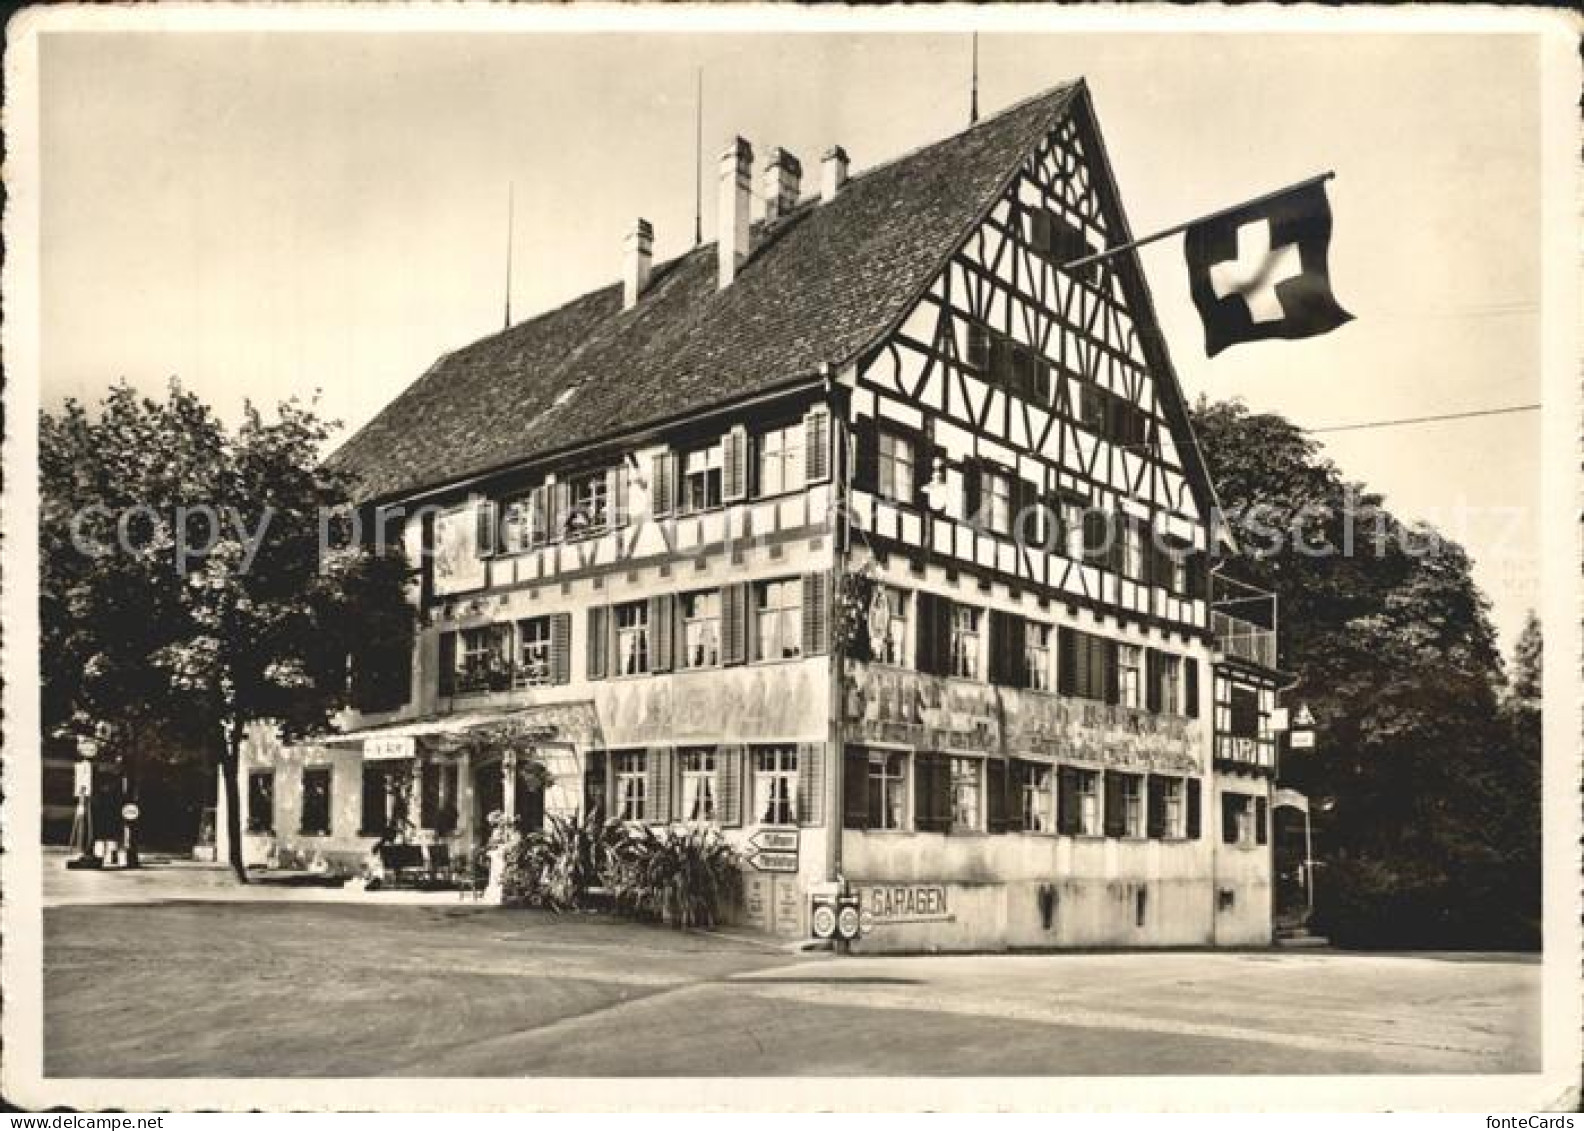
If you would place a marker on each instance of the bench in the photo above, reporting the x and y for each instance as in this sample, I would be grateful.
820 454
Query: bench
398 860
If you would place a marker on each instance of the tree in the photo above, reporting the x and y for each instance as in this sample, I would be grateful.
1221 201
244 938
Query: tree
236 592
1418 792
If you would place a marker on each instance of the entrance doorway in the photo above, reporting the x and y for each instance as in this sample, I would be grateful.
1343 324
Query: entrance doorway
489 796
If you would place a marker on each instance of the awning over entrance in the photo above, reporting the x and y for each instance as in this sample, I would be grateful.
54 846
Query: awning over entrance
571 723
1289 799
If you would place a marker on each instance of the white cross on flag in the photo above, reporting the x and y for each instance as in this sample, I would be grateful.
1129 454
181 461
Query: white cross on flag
1260 271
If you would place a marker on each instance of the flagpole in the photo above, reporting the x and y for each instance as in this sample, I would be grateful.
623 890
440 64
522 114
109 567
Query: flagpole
1185 225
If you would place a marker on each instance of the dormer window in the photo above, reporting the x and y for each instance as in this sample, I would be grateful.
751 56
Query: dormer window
701 479
588 504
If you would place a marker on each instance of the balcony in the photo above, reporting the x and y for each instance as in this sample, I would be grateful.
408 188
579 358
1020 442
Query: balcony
1244 640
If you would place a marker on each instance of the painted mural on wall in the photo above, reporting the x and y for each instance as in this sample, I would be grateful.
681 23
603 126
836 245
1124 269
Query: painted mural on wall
929 712
734 704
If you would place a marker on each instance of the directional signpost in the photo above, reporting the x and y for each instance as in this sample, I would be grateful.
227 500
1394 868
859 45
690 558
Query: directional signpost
774 850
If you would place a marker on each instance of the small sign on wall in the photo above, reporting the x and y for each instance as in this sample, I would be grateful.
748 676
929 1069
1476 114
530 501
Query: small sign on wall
386 748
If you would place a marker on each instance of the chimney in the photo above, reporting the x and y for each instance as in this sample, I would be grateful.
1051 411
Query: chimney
783 174
736 196
833 172
637 260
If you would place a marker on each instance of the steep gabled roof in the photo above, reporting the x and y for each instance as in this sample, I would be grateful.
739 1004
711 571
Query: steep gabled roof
822 285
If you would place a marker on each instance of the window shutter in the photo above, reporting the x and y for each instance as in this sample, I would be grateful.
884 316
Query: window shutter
1261 821
594 786
1155 807
560 508
428 795
973 489
1191 686
1066 660
1067 801
816 613
930 611
538 515
811 784
598 642
1008 659
855 789
561 648
1115 809
657 802
662 495
1229 807
1109 673
1028 514
729 803
925 806
617 510
1096 535
1198 575
997 818
662 618
487 526
734 464
1153 668
816 445
924 456
1195 816
1116 550
448 647
734 623
866 455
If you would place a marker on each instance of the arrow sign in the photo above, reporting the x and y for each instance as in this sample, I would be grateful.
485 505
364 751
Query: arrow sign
774 861
775 840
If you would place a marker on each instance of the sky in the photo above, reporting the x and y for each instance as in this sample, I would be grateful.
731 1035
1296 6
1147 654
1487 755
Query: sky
267 215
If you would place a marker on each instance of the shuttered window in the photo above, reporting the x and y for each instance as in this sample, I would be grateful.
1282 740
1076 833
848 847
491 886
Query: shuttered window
780 461
535 666
699 640
735 464
775 785
630 773
1035 783
778 629
698 771
816 444
816 613
1087 665
316 801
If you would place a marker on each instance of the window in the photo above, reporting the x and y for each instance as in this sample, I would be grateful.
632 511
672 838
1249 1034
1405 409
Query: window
778 619
1171 684
533 652
1059 241
995 506
1132 549
1178 571
483 659
701 479
1092 408
775 785
316 801
978 347
261 801
588 496
781 460
521 522
1037 654
1130 679
632 782
965 642
966 775
1132 804
701 629
1072 516
891 648
699 786
437 797
1034 781
1175 822
896 468
632 638
1245 713
1239 819
1087 667
1086 789
887 789
384 797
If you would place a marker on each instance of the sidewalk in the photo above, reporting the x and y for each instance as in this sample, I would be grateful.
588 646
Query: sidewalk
172 879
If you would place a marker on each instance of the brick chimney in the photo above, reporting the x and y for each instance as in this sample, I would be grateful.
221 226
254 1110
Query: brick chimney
783 175
637 261
833 172
736 197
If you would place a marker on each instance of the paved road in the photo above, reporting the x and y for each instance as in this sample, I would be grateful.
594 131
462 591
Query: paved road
278 987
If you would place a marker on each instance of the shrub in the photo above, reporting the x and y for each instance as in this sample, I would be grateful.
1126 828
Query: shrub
683 877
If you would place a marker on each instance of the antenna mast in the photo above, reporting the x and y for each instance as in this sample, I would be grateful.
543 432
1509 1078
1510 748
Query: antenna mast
509 218
973 96
698 161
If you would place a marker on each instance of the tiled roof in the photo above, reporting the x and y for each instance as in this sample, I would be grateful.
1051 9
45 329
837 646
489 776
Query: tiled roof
822 285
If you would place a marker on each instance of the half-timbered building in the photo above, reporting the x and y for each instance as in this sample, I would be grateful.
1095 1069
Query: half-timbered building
874 533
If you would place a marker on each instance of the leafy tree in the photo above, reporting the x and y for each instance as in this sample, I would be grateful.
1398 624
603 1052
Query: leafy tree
237 593
1419 798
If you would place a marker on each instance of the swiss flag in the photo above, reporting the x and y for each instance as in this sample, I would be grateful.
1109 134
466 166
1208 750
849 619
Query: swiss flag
1260 271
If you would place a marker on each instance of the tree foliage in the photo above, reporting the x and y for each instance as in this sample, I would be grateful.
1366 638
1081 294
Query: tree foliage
1424 814
198 579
